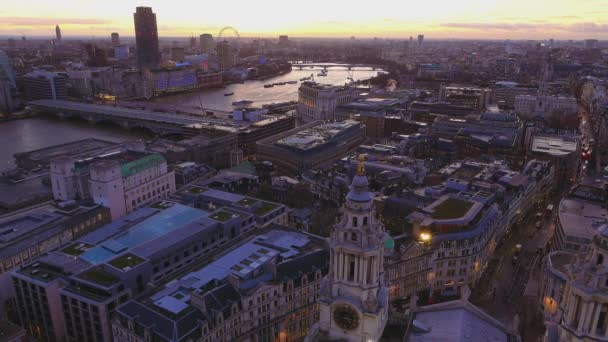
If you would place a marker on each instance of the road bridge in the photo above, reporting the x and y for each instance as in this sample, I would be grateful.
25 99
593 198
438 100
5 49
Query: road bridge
325 66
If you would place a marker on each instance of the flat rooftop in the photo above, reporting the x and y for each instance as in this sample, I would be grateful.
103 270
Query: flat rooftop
151 228
44 155
24 229
581 219
316 136
554 145
451 208
241 262
458 324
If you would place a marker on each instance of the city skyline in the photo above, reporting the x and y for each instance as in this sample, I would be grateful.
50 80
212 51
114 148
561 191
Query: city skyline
440 19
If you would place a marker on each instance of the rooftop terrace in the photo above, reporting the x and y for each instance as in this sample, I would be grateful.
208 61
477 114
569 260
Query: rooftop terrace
451 208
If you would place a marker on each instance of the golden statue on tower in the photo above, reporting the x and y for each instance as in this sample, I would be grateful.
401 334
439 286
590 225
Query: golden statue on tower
361 165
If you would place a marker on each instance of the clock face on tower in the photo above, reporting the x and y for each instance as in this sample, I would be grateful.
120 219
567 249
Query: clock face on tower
346 317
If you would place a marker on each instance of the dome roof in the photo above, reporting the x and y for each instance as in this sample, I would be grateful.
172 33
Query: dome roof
389 243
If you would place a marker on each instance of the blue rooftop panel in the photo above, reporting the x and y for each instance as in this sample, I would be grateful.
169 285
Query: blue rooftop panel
150 229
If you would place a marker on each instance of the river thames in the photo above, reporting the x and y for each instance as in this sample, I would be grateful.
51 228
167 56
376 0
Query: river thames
255 91
34 133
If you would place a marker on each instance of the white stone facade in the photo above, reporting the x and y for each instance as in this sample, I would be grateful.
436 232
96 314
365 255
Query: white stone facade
319 102
354 296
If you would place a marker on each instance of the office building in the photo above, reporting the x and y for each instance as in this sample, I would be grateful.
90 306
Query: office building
460 230
121 52
80 83
207 43
283 41
71 293
41 158
316 145
115 39
41 85
428 111
173 79
354 295
30 233
545 106
319 101
177 54
226 55
121 180
264 289
57 34
591 44
470 97
562 150
505 92
9 102
264 213
146 38
7 69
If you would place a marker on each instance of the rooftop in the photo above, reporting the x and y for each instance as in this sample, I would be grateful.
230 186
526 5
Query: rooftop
456 321
241 262
151 228
126 261
99 276
451 208
554 145
316 136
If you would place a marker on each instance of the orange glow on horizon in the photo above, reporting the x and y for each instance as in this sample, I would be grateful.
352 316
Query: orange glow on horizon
501 19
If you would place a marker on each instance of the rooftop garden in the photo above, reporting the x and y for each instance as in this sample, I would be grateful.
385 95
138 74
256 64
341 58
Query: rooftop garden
195 190
265 208
247 202
128 260
221 216
451 208
162 205
99 276
76 248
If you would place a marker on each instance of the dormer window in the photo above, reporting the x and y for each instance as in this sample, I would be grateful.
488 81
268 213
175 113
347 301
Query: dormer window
365 221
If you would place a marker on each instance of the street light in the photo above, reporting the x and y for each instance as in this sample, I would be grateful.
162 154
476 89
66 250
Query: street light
425 237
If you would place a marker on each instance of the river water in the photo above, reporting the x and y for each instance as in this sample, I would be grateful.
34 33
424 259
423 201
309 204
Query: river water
34 133
255 91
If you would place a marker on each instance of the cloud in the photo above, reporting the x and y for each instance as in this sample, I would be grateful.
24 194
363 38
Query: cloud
586 27
42 21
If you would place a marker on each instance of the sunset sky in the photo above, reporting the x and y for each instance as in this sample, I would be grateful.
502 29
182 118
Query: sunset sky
515 19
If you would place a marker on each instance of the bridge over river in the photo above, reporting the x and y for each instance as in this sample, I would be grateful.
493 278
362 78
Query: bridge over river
157 122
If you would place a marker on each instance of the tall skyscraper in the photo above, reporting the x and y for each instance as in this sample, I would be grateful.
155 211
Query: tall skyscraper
225 55
283 40
420 39
207 44
354 296
146 38
115 39
57 34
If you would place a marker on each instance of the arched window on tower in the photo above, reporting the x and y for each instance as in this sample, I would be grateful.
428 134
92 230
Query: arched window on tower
354 221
